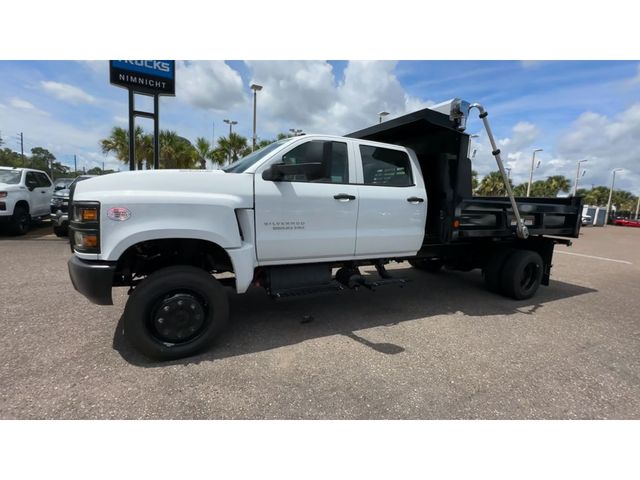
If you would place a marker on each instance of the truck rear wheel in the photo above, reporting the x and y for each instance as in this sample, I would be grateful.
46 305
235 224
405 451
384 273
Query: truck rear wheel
431 265
492 271
176 312
521 274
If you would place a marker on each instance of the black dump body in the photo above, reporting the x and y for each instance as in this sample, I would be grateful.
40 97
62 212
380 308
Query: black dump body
442 151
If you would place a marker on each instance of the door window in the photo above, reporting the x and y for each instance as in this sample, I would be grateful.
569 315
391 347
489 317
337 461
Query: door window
331 157
384 166
43 181
31 181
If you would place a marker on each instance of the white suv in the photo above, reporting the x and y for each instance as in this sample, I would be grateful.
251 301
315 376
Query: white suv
24 194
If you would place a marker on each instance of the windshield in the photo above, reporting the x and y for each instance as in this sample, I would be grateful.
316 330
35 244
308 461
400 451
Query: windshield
242 164
11 177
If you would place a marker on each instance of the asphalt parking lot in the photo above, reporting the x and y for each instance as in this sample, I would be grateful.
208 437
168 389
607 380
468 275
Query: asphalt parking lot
442 347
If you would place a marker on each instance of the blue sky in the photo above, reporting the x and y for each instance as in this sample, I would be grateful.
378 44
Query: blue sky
571 109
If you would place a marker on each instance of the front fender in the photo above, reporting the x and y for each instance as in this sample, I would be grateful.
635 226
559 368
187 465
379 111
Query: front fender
215 224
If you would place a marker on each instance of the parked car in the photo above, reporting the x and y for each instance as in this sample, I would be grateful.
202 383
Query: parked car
60 207
62 183
626 222
25 194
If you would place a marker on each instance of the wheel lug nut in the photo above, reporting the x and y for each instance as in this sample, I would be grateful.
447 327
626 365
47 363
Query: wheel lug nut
180 303
166 308
192 306
161 320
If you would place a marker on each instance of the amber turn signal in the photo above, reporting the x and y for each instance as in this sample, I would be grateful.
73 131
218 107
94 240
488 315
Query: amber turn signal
89 214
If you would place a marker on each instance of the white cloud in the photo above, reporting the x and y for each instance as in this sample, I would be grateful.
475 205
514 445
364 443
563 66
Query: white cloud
607 143
209 85
67 93
121 120
307 95
20 104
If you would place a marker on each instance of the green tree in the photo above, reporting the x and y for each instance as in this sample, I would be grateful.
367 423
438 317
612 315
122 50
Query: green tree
117 143
492 185
234 147
177 151
203 147
557 184
474 181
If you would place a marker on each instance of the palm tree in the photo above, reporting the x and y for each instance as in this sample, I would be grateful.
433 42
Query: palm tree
177 151
204 151
492 185
557 184
232 147
118 143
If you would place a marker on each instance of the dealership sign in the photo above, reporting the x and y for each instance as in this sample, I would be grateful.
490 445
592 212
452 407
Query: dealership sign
154 77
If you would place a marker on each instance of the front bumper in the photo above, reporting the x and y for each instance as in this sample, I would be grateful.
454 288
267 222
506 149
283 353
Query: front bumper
60 219
93 279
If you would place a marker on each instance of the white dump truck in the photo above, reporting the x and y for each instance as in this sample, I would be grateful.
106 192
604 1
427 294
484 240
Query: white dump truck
299 217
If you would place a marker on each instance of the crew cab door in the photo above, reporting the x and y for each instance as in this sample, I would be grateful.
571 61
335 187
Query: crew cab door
309 213
393 202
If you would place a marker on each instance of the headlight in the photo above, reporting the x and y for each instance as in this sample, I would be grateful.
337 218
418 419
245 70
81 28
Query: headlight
86 241
85 213
85 227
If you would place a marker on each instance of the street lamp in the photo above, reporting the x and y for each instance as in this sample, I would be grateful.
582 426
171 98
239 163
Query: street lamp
381 115
231 124
613 180
533 160
256 88
475 135
575 187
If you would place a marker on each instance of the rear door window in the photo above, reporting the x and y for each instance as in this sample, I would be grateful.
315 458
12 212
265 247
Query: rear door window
385 167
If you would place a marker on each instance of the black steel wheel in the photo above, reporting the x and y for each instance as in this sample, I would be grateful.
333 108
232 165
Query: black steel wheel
175 312
20 221
522 274
61 231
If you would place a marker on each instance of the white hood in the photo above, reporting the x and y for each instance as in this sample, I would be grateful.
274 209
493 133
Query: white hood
179 186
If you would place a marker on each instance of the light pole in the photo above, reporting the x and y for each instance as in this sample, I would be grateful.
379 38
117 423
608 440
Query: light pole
575 187
381 115
533 160
475 135
231 124
256 88
613 180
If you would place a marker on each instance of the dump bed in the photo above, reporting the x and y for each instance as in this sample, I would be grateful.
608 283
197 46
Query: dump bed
453 213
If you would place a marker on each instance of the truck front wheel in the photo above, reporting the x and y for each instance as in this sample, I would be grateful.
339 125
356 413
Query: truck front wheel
175 312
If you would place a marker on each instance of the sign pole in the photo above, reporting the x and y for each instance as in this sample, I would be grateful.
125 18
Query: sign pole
145 77
132 133
156 133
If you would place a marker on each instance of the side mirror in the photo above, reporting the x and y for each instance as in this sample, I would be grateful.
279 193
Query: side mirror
277 171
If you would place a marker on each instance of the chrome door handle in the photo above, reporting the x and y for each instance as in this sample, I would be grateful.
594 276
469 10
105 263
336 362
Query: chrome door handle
415 200
344 197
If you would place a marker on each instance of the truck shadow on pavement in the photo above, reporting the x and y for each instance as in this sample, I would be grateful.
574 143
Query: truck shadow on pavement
258 323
